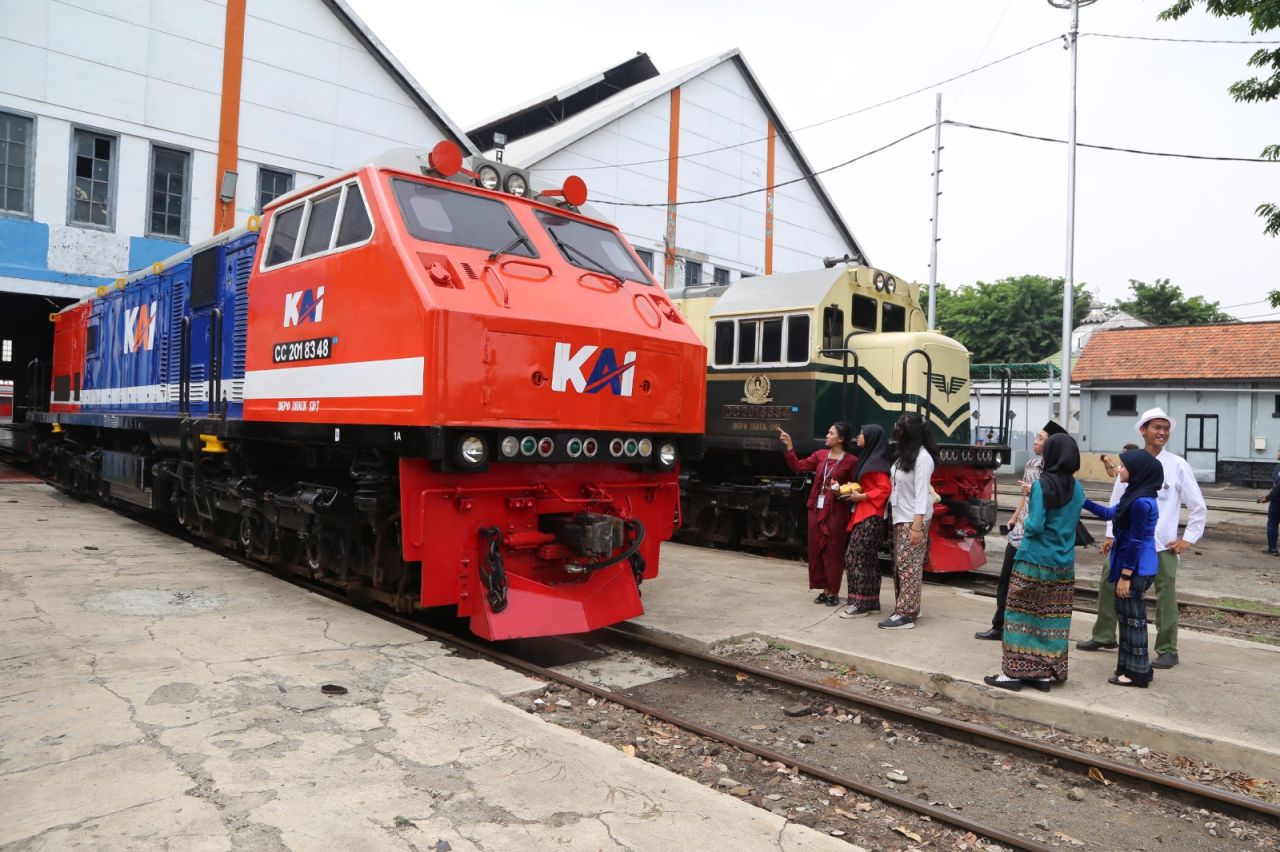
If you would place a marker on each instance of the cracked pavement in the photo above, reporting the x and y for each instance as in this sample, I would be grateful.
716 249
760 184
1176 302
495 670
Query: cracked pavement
154 695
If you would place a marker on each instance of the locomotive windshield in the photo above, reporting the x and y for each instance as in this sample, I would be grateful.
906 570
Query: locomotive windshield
591 247
441 215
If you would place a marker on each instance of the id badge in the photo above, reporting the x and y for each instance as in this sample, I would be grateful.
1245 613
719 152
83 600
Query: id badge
822 499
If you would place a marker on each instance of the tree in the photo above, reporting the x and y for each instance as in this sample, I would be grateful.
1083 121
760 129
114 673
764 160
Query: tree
1264 16
1012 320
1162 303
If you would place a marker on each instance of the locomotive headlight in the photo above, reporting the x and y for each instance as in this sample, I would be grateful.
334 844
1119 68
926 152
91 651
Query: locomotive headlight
890 284
646 447
516 184
510 446
488 177
667 455
472 450
879 279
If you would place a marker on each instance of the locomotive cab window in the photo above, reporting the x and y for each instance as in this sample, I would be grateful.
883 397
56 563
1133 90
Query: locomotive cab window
724 343
798 339
894 319
747 342
90 341
591 247
864 313
440 215
335 219
832 328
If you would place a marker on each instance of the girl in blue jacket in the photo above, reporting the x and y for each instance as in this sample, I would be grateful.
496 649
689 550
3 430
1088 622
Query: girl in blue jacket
1133 560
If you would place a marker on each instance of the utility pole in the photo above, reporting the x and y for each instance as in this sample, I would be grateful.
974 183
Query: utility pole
933 244
1069 284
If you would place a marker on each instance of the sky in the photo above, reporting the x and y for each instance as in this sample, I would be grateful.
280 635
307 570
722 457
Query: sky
1003 209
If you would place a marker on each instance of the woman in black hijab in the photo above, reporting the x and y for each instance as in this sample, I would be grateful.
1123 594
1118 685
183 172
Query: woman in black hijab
866 527
1038 614
1133 560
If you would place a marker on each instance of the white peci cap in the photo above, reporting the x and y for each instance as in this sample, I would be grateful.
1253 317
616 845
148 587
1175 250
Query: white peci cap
1156 413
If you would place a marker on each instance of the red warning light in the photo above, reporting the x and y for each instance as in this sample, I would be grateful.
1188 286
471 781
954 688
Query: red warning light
446 158
575 190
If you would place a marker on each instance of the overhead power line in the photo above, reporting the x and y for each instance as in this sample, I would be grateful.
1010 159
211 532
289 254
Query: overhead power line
824 121
1179 40
804 177
1112 147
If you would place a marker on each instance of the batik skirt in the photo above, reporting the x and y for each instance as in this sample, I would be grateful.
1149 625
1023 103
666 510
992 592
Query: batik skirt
1037 621
862 562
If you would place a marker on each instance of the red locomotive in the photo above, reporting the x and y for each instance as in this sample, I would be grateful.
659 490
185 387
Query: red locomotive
424 383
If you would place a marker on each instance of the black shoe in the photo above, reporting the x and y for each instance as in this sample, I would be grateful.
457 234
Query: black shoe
833 600
1165 661
1272 552
822 599
1115 680
993 633
998 681
1041 684
1094 645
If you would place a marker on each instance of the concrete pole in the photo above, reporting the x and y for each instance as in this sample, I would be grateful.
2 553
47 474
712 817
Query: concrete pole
1069 285
933 244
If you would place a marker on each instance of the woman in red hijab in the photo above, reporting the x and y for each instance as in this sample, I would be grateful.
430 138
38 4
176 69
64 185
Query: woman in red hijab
828 515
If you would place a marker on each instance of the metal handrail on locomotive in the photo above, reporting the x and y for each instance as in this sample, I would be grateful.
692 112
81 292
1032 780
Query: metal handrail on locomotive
422 382
800 351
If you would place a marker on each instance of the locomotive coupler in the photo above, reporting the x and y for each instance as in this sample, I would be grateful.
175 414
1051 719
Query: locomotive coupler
588 535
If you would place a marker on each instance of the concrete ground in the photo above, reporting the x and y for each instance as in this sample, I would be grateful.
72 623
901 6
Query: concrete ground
153 695
1216 705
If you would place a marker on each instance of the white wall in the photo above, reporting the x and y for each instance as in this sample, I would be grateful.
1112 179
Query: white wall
314 101
717 109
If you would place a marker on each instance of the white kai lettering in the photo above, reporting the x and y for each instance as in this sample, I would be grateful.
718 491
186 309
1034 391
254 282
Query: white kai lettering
567 369
303 305
140 328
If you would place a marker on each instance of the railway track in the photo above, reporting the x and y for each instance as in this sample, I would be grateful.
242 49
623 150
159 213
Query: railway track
1257 625
1076 764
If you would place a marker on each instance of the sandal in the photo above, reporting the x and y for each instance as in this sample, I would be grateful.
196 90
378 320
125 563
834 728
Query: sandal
1116 681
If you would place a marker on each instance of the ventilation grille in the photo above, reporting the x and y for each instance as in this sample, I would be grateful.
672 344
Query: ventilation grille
240 267
172 342
470 273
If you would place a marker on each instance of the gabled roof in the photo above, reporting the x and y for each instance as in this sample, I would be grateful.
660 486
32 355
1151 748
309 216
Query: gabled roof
548 110
1238 351
532 149
402 77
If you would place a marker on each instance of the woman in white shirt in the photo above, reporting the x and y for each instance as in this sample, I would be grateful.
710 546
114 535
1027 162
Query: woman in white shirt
912 508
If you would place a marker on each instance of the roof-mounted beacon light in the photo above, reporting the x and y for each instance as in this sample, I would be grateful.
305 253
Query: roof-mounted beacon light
499 143
574 192
445 158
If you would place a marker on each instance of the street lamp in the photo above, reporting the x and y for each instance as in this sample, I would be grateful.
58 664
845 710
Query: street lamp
1069 285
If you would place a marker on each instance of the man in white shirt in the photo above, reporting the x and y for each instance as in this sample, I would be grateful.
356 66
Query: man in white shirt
1180 489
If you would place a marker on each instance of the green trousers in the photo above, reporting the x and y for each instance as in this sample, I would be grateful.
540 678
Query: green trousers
1104 629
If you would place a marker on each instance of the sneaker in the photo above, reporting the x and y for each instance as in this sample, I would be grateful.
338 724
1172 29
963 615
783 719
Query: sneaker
897 622
852 611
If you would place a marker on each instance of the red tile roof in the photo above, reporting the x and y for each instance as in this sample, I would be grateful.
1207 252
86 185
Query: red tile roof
1229 351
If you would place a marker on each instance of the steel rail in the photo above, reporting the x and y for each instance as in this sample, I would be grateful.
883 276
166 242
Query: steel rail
1251 809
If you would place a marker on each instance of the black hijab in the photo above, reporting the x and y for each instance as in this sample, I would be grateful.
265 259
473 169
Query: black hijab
1052 428
1061 460
875 455
1146 476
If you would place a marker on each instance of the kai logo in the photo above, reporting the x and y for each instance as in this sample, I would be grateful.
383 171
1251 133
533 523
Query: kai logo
605 371
140 328
303 306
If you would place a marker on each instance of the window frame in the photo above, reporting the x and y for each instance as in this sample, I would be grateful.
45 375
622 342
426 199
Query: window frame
876 312
691 264
885 308
293 183
112 179
29 185
185 215
759 320
718 272
1275 412
344 187
1121 412
646 257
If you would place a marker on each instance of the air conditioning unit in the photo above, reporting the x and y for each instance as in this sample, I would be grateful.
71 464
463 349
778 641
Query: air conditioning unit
1259 443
